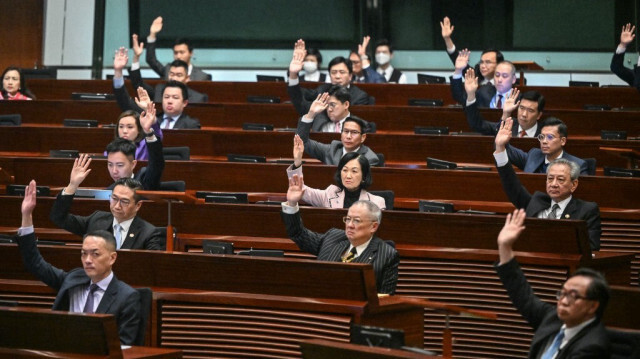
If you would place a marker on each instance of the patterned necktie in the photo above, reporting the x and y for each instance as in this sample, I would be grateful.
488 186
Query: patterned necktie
88 305
553 349
499 102
338 127
350 256
553 214
522 133
167 123
117 232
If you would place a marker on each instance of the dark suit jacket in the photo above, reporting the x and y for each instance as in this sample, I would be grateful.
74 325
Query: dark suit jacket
590 342
184 122
332 153
625 74
150 176
371 76
532 161
141 235
484 94
119 299
478 124
302 98
157 92
576 209
323 78
331 245
196 73
454 56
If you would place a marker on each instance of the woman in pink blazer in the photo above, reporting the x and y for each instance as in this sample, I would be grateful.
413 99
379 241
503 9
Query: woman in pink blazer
352 177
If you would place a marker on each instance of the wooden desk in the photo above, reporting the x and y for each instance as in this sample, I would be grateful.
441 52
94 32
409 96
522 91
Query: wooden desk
321 349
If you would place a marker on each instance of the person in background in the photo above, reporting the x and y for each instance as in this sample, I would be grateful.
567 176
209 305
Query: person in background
14 85
311 67
384 55
128 127
617 61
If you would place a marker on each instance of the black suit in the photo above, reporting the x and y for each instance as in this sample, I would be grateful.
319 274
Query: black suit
478 124
150 176
590 342
141 234
632 77
331 245
156 94
484 93
184 122
119 299
576 209
302 98
196 73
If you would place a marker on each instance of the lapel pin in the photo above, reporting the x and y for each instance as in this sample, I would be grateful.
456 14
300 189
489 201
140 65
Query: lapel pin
566 215
131 234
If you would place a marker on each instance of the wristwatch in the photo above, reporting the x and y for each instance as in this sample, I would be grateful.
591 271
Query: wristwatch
150 134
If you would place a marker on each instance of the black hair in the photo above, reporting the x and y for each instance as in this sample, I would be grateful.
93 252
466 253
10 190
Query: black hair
534 96
132 184
339 92
184 41
180 85
109 239
341 60
499 55
128 148
23 83
598 288
364 165
315 52
554 121
136 116
364 127
384 42
180 63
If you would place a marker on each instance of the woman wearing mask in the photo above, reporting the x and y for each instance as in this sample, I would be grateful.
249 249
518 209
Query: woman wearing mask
311 67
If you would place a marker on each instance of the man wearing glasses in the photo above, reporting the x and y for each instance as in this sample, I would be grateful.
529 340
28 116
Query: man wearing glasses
552 137
357 243
570 329
130 231
558 201
352 129
340 72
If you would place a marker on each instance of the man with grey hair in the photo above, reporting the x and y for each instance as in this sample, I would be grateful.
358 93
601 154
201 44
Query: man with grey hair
558 202
357 243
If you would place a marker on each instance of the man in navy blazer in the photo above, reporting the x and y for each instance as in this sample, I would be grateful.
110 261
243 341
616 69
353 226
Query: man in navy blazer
131 231
570 329
357 243
91 289
562 181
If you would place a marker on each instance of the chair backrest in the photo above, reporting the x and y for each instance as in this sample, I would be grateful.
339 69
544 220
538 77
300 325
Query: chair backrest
389 197
591 166
380 159
173 186
624 344
146 296
177 153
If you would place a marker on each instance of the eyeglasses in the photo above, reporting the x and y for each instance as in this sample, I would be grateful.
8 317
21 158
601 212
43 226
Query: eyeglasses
123 201
356 221
571 296
548 137
351 132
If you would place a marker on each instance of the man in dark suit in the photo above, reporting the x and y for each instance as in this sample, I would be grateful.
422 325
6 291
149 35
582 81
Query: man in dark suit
352 131
363 72
632 77
91 289
340 72
174 95
357 243
558 201
552 137
121 163
570 329
530 106
182 50
130 231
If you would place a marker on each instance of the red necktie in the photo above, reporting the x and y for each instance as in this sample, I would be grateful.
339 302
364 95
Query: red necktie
522 133
338 127
499 102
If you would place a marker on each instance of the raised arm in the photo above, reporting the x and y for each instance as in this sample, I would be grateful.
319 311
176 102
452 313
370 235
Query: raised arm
28 204
152 60
513 227
462 61
362 52
138 48
297 59
504 135
470 84
510 104
447 31
120 60
298 150
295 190
79 172
627 35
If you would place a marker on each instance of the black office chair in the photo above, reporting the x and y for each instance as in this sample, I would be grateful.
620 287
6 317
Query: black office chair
388 196
380 160
11 120
371 127
176 153
173 186
624 344
591 166
146 296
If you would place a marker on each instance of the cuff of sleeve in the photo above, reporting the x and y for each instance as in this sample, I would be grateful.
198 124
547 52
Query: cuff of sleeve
451 50
456 76
23 231
151 139
471 102
150 41
135 66
305 119
293 82
501 158
118 82
621 50
288 209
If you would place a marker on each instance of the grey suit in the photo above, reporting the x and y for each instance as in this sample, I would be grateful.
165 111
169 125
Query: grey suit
331 245
119 299
141 234
332 153
196 73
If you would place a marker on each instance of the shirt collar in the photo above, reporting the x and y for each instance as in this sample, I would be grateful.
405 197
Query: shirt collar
361 248
546 160
125 225
531 131
569 333
104 283
562 204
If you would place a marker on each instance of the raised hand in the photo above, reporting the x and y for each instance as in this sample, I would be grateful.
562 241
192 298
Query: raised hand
362 51
120 60
148 117
320 104
470 84
446 27
295 191
298 150
143 98
511 103
79 172
504 135
138 48
513 227
462 61
156 27
28 204
299 53
627 35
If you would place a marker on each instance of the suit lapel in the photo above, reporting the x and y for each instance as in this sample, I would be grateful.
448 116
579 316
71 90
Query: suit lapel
369 254
132 234
109 296
570 210
341 248
539 201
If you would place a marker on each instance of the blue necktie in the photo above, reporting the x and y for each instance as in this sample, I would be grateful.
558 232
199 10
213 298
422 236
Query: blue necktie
88 305
118 234
553 349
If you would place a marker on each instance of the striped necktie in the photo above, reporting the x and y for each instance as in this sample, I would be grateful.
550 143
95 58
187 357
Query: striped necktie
350 256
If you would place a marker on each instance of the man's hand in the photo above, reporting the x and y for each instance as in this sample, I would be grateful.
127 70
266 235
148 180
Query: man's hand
28 204
362 51
156 27
513 227
447 30
143 98
504 135
120 60
511 103
470 84
79 172
462 61
298 150
627 35
148 117
299 53
295 191
138 48
320 104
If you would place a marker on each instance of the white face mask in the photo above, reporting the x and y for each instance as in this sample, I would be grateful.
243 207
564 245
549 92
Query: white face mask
310 67
382 58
